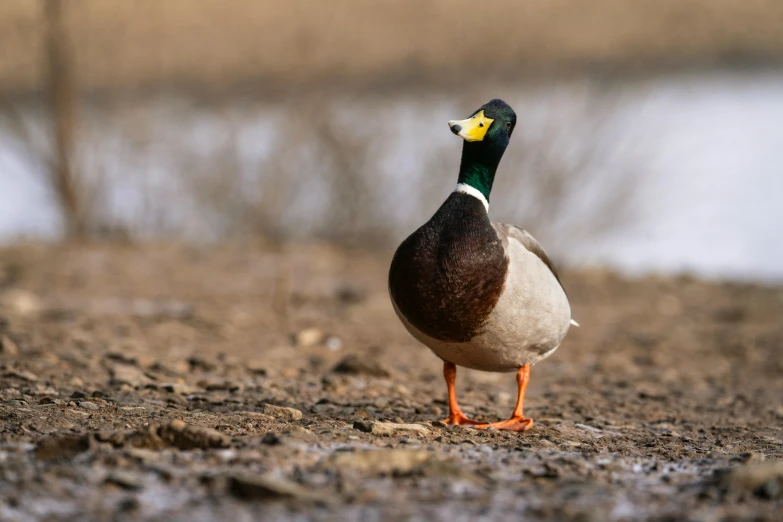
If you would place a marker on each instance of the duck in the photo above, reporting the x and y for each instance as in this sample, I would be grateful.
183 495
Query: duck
480 294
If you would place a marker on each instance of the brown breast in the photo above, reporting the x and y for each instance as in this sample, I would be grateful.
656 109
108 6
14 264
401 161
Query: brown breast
447 276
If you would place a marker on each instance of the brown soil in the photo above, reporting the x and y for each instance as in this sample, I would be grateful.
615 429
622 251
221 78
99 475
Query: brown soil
181 383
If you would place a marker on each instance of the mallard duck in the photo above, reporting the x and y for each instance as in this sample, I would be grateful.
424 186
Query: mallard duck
479 294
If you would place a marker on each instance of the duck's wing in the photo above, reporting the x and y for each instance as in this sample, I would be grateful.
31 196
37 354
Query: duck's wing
508 233
514 233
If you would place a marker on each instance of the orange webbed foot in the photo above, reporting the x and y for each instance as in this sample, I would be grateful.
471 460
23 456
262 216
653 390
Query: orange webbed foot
459 419
513 424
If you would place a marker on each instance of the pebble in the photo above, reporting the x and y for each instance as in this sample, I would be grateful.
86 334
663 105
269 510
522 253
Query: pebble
308 337
389 428
255 415
62 447
282 412
130 375
352 364
179 388
21 374
87 405
253 486
762 479
8 347
381 462
23 302
184 436
132 409
126 480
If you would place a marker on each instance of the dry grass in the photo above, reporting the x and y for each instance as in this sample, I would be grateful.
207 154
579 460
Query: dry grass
220 43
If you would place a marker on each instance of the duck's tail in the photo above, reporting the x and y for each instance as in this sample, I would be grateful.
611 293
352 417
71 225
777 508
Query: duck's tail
574 323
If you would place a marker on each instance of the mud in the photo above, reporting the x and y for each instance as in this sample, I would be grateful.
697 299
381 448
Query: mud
248 381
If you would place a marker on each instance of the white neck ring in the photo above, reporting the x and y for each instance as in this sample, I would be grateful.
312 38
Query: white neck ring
464 188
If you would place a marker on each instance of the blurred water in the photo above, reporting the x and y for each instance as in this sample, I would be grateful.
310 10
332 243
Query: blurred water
704 149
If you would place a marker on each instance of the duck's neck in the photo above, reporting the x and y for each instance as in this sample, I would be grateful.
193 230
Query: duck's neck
478 167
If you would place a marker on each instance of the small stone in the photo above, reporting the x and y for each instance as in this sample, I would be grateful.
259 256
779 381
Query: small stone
23 302
177 425
389 428
352 364
78 394
255 415
381 462
8 347
252 486
282 412
130 375
272 439
126 480
333 343
762 479
76 382
133 409
21 374
87 405
179 388
62 447
308 337
186 437
44 391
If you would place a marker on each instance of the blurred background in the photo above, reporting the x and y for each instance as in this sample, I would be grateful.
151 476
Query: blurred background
649 135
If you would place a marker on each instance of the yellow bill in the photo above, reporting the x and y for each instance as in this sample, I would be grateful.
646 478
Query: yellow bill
472 129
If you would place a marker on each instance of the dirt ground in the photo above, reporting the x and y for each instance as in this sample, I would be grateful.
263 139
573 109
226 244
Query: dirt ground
245 381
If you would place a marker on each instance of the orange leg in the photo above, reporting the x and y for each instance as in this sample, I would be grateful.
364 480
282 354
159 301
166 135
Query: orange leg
518 421
455 414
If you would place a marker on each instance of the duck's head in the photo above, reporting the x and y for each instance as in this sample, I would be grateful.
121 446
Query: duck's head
492 124
486 133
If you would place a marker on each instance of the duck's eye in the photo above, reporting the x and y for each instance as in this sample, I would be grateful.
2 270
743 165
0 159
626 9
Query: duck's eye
508 124
481 124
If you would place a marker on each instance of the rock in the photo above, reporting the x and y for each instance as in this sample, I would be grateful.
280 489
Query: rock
762 479
21 374
389 428
126 480
87 405
381 462
76 382
44 391
252 486
127 374
179 388
62 447
115 438
199 363
352 364
333 343
22 302
257 368
255 415
282 412
185 436
271 438
178 425
8 347
308 337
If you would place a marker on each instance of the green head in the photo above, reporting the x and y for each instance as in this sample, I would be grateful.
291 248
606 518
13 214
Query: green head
486 133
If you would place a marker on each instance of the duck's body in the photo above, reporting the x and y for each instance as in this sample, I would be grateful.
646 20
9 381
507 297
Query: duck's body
479 294
483 299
